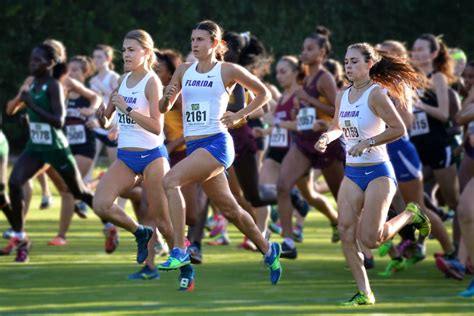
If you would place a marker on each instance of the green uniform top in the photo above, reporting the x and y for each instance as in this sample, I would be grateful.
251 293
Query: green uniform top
43 136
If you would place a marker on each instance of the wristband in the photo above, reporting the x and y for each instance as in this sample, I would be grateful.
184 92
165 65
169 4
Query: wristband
129 109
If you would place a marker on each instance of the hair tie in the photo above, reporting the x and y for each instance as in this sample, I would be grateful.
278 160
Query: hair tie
246 37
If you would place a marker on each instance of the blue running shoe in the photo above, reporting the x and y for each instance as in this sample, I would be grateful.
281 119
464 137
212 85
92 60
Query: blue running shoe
469 292
273 262
175 260
451 267
299 203
186 278
142 237
145 273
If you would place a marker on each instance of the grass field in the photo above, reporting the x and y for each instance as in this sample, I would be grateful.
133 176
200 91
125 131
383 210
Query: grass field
81 279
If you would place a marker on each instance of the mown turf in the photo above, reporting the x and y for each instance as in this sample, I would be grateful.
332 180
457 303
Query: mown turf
81 279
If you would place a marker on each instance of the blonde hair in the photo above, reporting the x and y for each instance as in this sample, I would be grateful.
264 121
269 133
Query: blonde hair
145 41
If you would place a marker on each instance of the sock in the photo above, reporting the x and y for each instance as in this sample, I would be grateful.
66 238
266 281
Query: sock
20 235
269 252
137 232
109 225
182 251
289 242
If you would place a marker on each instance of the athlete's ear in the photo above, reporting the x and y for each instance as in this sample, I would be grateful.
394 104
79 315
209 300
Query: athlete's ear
215 43
370 63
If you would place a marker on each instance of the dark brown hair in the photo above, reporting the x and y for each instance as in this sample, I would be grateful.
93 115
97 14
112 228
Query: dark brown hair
297 66
321 36
109 52
171 58
336 70
392 72
443 61
216 34
86 64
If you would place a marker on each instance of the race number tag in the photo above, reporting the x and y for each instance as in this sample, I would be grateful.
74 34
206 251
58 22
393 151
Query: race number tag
40 133
305 119
197 114
279 137
350 128
76 134
125 120
420 125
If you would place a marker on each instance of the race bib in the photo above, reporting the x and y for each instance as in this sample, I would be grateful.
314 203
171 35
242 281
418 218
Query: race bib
420 125
125 120
197 114
40 133
76 134
350 128
279 137
305 119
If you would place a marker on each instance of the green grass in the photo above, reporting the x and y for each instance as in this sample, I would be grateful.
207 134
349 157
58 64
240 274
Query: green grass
81 279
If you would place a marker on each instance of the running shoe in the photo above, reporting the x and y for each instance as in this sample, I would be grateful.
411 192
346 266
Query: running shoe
220 240
145 273
420 220
360 298
57 241
80 209
288 252
23 251
384 248
219 227
195 254
175 260
247 244
9 233
335 234
451 267
186 278
142 237
369 262
274 213
395 265
469 292
12 245
276 228
111 238
273 262
298 233
418 254
404 247
46 202
299 203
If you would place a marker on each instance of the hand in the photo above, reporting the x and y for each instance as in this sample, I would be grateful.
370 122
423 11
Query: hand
119 102
25 97
92 123
419 104
302 95
322 143
170 91
230 119
320 125
100 115
359 149
113 133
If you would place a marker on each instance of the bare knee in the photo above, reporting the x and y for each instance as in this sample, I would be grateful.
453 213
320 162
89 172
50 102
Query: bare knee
370 240
230 210
283 186
170 182
102 207
347 232
465 213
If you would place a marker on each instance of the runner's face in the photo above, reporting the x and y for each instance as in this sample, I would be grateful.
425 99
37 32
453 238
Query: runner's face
163 72
285 74
355 66
201 44
468 76
100 59
75 71
38 62
311 52
420 54
133 54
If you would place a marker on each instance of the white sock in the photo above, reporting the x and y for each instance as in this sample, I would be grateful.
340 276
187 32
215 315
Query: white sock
289 242
20 235
269 251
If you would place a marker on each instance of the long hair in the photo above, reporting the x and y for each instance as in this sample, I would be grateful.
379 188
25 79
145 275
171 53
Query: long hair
443 61
216 34
392 72
109 52
145 41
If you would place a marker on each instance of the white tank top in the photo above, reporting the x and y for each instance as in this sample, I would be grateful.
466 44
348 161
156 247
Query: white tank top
205 100
130 133
359 123
104 89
